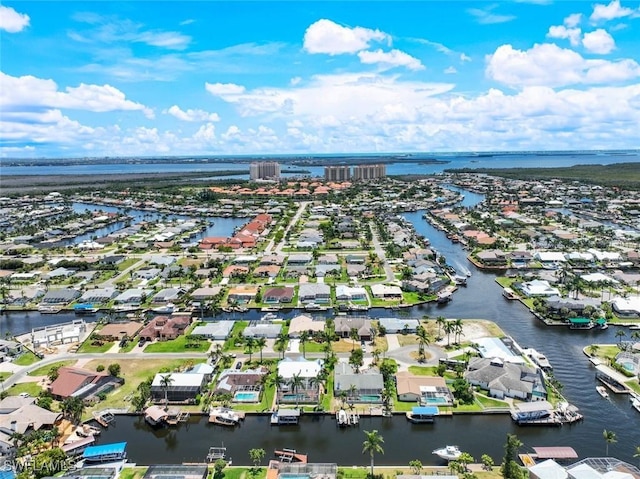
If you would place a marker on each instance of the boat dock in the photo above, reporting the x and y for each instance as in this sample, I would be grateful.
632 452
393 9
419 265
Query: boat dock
345 419
104 418
176 417
285 417
290 455
557 453
216 453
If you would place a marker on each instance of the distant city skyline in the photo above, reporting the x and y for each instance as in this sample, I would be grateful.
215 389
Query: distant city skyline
95 79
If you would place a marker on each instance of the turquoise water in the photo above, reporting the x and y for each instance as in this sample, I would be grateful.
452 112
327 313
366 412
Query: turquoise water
294 476
629 367
370 398
292 397
247 396
436 400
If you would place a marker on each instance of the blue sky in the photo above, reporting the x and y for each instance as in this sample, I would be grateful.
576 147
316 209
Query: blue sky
196 78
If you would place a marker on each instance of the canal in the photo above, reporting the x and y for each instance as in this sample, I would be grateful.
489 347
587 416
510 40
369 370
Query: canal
319 437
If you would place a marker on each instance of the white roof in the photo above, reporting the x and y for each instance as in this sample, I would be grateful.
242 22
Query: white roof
539 287
595 277
550 256
584 471
305 368
179 379
549 469
381 289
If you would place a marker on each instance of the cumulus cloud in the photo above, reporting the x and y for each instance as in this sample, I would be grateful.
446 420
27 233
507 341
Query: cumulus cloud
28 92
549 65
222 89
611 11
573 20
450 70
325 36
12 21
191 115
560 31
598 41
391 59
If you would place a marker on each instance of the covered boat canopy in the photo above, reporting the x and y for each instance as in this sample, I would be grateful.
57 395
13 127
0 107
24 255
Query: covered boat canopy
561 452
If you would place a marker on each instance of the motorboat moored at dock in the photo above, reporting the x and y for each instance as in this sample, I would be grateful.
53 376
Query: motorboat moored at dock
449 453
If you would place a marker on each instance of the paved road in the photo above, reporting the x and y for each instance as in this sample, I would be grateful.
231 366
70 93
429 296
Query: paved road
379 250
294 220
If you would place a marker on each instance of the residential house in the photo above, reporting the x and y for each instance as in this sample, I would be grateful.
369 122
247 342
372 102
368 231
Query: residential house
383 291
351 293
177 388
216 330
269 271
118 331
399 325
82 383
205 293
242 294
134 296
426 390
307 371
314 292
504 379
232 380
278 295
345 324
60 296
263 329
164 328
168 295
304 322
365 386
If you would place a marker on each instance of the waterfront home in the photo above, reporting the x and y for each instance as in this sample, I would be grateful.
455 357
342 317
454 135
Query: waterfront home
492 258
164 328
177 471
99 295
262 329
626 306
383 291
168 295
181 387
147 273
267 271
64 333
278 295
23 417
350 293
304 322
305 369
289 468
216 330
314 292
555 304
205 293
60 296
365 386
548 469
133 296
502 348
231 381
345 324
118 331
242 294
399 325
82 383
504 379
537 287
603 468
425 390
300 259
10 349
59 273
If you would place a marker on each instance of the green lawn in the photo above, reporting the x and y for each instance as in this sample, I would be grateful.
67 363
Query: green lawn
4 376
26 359
244 472
132 472
99 347
423 370
178 345
488 402
44 370
32 388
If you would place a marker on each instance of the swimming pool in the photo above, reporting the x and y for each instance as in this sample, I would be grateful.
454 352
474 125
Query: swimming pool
369 398
247 396
290 475
435 400
292 397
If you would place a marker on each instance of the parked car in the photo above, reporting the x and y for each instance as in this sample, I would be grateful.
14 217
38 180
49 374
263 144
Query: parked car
238 364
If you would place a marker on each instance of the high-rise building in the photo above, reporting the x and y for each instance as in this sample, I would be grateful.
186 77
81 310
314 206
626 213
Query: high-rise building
264 170
337 173
369 172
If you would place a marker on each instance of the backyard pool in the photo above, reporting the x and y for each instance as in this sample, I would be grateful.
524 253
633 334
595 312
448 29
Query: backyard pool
247 396
370 398
435 400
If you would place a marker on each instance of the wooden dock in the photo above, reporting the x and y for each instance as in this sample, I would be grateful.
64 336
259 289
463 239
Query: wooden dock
104 418
290 455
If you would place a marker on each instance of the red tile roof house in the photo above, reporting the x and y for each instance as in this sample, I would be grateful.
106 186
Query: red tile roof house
82 383
278 295
165 327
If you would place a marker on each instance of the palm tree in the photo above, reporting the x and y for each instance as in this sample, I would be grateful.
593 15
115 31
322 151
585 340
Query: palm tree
373 445
620 333
165 382
458 329
278 381
261 343
281 342
448 329
610 438
250 343
73 407
593 349
440 321
354 336
423 340
296 382
215 353
304 339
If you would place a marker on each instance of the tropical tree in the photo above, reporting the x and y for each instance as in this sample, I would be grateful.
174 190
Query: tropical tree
423 341
278 381
637 453
465 459
356 359
165 382
281 343
449 328
593 349
620 333
250 343
261 343
354 336
458 330
256 455
510 468
296 382
73 407
373 445
440 321
487 462
215 353
304 339
609 438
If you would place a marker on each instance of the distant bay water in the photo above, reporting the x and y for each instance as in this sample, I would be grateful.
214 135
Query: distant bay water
410 164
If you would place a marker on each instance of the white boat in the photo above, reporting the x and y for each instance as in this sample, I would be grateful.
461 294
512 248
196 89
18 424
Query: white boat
444 297
269 317
224 417
449 453
509 293
635 403
539 359
422 414
166 309
602 391
460 280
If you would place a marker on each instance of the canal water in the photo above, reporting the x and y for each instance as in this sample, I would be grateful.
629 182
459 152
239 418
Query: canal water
319 437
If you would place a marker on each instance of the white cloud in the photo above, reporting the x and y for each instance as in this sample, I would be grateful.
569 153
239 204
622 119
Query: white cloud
191 115
599 41
12 21
486 17
450 70
169 40
465 58
549 65
223 89
611 11
560 31
294 81
28 91
391 59
206 133
325 36
573 20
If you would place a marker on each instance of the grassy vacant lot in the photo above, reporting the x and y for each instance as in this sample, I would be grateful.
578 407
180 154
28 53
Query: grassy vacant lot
178 345
99 347
32 388
133 472
135 371
26 359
